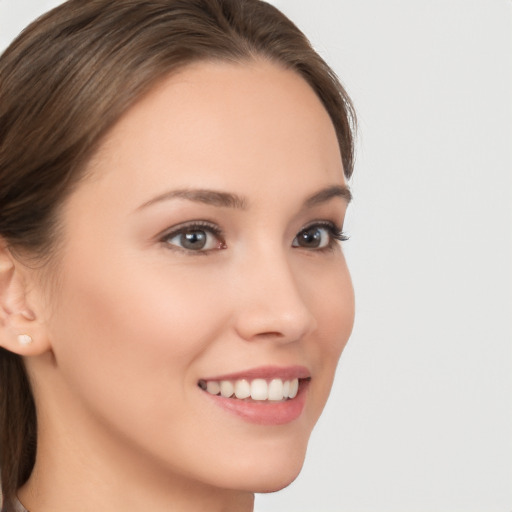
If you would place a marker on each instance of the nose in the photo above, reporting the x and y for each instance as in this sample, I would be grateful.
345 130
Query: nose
270 302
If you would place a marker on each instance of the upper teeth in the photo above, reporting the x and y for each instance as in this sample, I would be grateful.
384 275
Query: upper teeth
258 389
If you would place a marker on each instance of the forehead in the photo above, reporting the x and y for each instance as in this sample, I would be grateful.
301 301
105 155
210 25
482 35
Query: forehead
247 120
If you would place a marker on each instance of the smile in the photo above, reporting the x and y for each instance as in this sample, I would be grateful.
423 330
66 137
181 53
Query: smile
265 396
275 390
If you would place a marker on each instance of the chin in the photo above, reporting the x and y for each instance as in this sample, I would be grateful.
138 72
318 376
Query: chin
275 483
271 473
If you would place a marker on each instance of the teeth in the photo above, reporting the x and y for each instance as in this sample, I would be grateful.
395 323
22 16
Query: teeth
213 387
286 388
294 388
275 389
259 389
242 389
226 388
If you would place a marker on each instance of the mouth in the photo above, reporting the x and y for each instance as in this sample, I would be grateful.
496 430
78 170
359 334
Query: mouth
275 390
265 396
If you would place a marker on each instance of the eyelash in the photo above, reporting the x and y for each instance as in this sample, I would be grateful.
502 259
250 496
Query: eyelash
336 232
336 235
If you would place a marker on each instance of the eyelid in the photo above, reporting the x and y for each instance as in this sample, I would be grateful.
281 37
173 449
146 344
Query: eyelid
335 229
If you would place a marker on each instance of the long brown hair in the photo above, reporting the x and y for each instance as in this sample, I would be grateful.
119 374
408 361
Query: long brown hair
66 80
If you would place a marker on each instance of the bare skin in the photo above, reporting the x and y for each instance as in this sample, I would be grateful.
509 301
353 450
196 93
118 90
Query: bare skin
136 318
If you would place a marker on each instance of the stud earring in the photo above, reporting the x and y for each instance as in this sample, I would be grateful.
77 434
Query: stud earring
25 339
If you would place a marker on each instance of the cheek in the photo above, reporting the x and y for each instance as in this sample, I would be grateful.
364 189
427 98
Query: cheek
333 304
331 297
132 327
339 315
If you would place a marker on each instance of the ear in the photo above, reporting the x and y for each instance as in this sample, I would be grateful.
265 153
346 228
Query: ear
21 331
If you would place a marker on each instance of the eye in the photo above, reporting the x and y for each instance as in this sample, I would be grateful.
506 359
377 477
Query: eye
195 238
318 236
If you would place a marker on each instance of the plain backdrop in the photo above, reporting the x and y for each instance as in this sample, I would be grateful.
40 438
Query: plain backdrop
420 417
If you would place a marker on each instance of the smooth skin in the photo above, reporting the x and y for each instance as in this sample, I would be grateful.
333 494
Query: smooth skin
138 313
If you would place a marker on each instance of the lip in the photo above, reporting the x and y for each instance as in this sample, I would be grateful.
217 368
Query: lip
265 412
266 372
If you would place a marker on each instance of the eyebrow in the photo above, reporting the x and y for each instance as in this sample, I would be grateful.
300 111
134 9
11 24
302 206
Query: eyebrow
210 197
230 200
342 191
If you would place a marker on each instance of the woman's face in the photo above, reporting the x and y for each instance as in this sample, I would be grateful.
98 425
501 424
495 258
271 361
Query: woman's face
201 253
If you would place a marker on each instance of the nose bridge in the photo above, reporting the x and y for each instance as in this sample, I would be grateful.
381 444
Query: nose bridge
271 302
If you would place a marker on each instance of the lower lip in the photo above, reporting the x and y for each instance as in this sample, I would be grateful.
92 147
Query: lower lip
265 412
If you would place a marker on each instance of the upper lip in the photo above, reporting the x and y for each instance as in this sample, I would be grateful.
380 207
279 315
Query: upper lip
266 372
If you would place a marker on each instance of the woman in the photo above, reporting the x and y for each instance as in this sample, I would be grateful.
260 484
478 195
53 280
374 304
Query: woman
173 183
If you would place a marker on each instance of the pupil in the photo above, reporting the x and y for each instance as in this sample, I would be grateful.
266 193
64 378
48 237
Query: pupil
194 240
311 238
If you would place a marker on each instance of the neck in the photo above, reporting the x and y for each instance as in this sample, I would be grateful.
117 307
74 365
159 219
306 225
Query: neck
73 486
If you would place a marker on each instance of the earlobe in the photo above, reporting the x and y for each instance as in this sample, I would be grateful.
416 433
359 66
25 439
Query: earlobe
21 331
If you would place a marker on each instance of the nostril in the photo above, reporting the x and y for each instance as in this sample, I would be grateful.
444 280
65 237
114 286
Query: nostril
270 334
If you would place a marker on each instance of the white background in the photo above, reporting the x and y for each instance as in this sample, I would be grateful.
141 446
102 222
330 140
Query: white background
420 414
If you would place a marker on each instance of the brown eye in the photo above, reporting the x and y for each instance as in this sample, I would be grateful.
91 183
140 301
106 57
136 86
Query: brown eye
314 237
